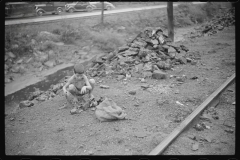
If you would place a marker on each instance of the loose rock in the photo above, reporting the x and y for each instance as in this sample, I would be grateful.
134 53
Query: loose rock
159 75
104 86
132 92
25 104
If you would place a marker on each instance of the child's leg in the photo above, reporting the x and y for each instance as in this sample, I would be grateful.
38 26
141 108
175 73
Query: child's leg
71 96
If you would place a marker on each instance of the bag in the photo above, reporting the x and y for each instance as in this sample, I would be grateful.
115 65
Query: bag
108 110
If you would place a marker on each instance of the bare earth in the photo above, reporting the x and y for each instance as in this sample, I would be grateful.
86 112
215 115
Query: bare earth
45 129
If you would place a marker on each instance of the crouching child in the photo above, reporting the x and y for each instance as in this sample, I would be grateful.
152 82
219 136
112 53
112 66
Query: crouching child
78 89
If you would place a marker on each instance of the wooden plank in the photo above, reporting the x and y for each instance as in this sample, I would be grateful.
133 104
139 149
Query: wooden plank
164 144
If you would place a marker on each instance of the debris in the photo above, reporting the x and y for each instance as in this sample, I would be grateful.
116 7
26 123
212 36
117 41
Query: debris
207 127
179 103
233 103
195 146
199 127
206 117
132 92
194 77
104 86
75 111
11 119
24 104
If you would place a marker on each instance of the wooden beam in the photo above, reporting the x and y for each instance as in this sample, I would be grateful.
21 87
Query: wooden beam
164 144
170 20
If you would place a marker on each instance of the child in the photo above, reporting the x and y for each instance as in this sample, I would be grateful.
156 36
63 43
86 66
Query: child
77 86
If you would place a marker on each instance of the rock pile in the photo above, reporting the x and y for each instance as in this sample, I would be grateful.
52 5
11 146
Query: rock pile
148 55
218 23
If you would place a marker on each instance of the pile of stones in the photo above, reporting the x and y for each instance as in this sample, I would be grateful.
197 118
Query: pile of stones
149 55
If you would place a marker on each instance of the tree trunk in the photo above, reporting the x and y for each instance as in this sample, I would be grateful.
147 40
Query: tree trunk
170 20
102 12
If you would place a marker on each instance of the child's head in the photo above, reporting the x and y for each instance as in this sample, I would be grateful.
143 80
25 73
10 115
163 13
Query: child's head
78 70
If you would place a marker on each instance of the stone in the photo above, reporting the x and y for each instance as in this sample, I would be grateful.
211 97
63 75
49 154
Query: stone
181 79
139 67
171 50
22 69
147 67
132 92
183 60
193 62
56 87
208 139
130 53
195 146
147 74
19 61
50 63
15 46
198 127
142 53
42 97
145 86
229 130
6 67
10 54
7 80
189 60
42 58
24 104
205 117
134 49
123 48
120 77
51 54
86 48
33 41
104 86
158 74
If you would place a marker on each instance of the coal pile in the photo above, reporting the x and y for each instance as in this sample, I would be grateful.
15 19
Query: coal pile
149 55
218 23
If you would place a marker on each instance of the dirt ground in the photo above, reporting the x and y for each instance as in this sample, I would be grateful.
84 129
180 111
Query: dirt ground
45 129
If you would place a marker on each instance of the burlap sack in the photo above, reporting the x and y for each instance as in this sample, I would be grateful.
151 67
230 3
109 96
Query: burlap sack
108 110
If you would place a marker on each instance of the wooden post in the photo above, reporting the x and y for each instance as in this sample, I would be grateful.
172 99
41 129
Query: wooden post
170 20
102 12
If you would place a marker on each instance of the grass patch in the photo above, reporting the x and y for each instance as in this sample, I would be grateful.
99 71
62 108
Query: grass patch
107 40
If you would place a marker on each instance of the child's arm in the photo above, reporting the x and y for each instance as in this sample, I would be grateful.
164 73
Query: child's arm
68 83
88 86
